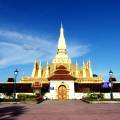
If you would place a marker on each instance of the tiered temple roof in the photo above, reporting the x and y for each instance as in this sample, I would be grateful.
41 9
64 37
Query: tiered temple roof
61 73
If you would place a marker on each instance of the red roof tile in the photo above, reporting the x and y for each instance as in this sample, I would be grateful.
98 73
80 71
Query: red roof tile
61 74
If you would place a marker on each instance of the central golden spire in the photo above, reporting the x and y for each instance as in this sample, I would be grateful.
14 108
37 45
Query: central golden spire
61 56
61 41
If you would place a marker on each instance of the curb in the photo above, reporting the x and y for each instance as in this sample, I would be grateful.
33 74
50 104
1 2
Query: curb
101 102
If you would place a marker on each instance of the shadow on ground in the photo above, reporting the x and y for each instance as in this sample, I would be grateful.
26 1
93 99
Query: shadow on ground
11 112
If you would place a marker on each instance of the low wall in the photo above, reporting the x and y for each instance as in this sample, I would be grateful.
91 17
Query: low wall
81 95
3 96
7 97
47 95
76 95
106 95
115 95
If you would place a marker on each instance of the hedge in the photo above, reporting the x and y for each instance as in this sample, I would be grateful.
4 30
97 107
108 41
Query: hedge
24 97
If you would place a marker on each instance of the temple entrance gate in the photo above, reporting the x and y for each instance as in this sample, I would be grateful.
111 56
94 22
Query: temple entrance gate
62 92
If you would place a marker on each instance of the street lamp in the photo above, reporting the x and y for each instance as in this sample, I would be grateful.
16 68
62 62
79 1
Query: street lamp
111 84
15 77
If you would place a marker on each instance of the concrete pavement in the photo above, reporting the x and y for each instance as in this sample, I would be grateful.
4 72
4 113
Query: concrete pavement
60 110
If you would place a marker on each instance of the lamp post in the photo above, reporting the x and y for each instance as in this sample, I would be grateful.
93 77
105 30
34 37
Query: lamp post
15 77
111 84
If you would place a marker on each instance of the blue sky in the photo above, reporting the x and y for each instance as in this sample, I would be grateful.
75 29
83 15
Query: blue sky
29 29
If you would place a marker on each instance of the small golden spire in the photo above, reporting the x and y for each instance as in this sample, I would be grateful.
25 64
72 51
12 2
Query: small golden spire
83 64
47 70
47 63
35 61
40 70
76 63
40 64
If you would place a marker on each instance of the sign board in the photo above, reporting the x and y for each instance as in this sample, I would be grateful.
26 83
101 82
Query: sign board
105 85
51 88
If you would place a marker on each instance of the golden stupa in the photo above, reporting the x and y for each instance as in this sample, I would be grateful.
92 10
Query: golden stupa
83 74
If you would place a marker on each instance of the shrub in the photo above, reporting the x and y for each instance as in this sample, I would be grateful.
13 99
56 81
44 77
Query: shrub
24 97
94 96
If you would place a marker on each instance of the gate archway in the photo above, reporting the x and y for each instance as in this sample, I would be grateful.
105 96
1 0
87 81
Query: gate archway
62 92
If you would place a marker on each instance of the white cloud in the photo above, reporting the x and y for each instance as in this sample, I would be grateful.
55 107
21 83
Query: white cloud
18 48
78 50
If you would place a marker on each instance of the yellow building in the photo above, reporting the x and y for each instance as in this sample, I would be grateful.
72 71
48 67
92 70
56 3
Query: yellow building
83 74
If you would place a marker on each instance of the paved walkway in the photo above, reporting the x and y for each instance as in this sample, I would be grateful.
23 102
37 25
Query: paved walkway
60 110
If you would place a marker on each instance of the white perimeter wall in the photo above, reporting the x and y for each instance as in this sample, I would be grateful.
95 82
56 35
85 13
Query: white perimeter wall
4 96
72 95
106 95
